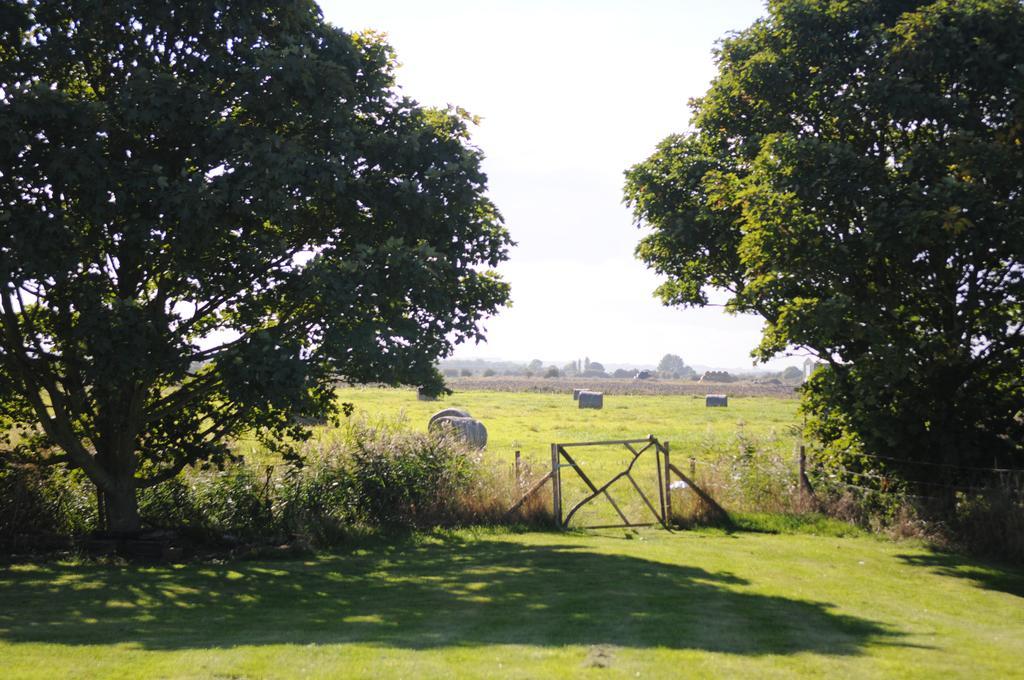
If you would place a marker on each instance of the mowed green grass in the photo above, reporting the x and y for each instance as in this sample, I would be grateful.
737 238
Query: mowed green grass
503 605
531 422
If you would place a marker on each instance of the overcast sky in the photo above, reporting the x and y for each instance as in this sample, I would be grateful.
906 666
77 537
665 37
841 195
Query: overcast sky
571 93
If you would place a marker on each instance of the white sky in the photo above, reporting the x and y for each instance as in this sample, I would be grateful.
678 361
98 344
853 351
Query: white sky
571 93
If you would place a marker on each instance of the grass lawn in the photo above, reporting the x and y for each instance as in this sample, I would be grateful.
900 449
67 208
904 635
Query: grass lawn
492 604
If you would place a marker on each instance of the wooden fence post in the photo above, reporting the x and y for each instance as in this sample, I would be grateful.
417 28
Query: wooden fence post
556 486
101 510
519 476
693 467
806 490
668 490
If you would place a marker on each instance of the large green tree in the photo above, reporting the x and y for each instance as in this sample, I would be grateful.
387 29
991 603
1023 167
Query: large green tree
855 175
210 212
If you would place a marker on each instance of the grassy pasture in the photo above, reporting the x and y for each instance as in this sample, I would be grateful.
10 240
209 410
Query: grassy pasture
820 599
661 387
531 421
500 605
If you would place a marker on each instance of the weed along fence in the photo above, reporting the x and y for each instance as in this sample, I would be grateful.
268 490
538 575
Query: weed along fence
638 493
773 484
633 482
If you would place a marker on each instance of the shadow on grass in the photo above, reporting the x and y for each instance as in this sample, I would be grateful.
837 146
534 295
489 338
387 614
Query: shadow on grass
416 595
1002 578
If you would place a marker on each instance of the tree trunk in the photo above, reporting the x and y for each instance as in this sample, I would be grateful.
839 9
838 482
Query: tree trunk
122 509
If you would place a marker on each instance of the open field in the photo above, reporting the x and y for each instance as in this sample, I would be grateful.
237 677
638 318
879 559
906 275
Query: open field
619 386
499 604
531 421
465 604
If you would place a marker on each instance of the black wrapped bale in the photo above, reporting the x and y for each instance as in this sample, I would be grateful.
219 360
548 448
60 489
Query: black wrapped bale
470 430
576 394
716 400
591 399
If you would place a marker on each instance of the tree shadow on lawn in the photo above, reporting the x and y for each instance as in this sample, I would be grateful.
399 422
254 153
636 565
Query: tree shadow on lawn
1000 577
417 595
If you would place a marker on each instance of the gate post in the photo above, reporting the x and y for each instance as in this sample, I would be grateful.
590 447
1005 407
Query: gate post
806 490
519 476
668 489
556 486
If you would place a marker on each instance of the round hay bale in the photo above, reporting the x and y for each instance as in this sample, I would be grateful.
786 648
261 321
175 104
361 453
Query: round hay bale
576 394
712 400
457 412
591 399
470 430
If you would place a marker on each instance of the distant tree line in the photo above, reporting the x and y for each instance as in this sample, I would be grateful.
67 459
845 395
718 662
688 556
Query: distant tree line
670 367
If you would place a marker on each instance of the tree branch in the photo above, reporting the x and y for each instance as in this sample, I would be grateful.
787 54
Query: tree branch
161 476
183 396
58 427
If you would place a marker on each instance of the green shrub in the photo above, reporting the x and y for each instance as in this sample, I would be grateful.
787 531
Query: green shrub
236 501
408 479
990 524
49 500
171 504
211 503
316 505
356 478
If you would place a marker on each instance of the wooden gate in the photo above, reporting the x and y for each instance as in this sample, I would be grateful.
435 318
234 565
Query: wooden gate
562 460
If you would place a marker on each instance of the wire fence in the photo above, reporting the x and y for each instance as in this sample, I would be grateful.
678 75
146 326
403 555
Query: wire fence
1010 480
952 466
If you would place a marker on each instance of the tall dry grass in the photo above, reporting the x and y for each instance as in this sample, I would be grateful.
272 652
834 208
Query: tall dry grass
366 476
